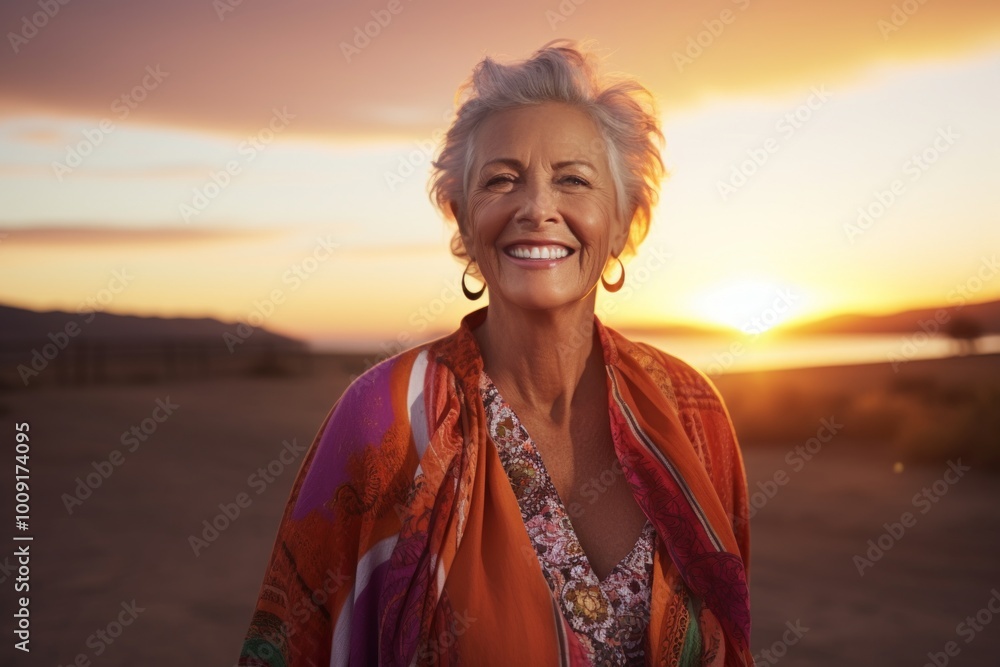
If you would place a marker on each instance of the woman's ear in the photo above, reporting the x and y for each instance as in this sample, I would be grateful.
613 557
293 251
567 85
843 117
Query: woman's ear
619 236
462 231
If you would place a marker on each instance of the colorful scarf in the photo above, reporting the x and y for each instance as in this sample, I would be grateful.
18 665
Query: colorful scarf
402 542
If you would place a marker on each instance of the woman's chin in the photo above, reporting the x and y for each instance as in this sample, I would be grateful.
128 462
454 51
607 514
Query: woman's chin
535 298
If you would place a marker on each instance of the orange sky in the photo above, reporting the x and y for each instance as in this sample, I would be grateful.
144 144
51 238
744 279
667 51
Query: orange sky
343 126
225 73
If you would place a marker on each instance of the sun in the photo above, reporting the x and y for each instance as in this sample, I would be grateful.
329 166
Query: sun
750 306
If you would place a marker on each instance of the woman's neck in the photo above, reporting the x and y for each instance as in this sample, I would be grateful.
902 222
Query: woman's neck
542 359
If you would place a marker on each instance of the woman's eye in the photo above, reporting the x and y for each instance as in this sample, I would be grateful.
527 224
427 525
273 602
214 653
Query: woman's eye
575 180
499 180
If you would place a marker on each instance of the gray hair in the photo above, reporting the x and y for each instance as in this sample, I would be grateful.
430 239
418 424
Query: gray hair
561 71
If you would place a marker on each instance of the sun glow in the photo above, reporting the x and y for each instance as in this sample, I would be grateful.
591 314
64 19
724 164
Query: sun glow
750 306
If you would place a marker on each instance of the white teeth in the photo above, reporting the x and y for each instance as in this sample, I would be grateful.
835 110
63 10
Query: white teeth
538 252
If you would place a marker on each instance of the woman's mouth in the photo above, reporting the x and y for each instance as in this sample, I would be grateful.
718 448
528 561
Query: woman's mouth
538 252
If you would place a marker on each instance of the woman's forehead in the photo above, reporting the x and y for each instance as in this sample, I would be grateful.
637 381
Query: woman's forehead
555 132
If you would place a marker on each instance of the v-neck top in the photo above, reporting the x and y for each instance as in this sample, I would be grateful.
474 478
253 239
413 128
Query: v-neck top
609 617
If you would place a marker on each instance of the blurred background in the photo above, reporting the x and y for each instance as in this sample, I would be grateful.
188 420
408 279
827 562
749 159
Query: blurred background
214 215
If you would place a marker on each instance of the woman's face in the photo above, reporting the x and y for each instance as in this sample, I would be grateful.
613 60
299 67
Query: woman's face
541 215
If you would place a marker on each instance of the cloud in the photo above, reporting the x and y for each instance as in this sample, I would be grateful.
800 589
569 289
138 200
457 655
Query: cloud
181 171
104 235
76 235
44 137
227 72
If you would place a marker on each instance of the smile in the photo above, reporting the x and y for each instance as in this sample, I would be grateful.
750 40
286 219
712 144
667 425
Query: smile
538 251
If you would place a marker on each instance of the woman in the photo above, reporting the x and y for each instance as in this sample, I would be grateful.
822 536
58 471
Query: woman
427 526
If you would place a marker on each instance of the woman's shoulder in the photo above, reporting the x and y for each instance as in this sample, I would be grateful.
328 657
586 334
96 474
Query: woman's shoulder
366 438
378 378
393 396
684 384
704 418
394 373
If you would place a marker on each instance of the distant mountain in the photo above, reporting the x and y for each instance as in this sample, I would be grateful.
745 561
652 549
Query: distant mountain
20 326
986 315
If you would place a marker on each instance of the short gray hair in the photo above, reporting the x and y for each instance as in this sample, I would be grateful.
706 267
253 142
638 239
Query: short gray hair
561 71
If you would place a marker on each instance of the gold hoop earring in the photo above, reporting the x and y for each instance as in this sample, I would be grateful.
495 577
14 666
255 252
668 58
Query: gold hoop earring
469 294
617 285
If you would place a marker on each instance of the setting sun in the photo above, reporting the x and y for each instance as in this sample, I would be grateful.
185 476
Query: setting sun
751 306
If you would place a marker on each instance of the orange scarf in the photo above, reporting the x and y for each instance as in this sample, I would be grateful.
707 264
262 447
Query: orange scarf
402 542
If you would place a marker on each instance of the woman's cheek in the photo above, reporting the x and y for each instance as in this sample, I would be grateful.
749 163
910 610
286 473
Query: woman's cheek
486 223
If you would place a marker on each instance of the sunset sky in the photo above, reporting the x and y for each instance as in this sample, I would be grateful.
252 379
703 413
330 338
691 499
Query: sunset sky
120 120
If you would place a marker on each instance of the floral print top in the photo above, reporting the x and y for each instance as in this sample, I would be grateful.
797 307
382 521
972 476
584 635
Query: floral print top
609 617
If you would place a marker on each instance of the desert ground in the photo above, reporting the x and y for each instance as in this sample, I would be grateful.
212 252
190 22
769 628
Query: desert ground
123 551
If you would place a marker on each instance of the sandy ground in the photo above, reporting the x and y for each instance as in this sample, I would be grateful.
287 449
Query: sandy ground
128 543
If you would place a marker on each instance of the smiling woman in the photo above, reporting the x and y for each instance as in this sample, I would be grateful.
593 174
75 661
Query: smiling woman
533 488
533 165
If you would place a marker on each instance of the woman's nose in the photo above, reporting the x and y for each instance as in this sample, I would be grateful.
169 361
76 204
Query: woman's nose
538 204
